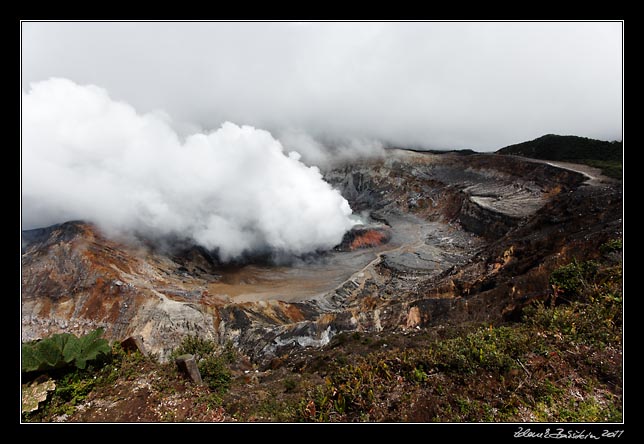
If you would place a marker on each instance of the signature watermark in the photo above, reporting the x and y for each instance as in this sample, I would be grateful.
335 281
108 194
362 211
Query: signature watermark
561 433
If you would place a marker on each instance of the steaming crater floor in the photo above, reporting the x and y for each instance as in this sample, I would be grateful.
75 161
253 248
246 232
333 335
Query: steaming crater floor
417 248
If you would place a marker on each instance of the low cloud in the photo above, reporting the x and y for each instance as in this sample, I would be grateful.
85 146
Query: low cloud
329 152
442 85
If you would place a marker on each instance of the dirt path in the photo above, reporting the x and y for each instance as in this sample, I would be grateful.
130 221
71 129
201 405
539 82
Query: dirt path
594 176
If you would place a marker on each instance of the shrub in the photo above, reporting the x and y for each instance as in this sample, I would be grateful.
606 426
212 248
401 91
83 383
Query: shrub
574 279
290 385
611 246
492 349
62 350
593 324
211 360
593 315
196 346
215 373
418 375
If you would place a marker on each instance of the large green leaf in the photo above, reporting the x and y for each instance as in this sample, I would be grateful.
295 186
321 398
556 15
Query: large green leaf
59 340
30 362
63 349
91 336
49 354
72 349
91 347
68 345
80 362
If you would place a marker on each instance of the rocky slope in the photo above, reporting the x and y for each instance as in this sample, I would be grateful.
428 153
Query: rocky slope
461 238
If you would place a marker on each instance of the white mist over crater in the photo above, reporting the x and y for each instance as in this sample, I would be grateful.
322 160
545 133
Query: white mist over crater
234 189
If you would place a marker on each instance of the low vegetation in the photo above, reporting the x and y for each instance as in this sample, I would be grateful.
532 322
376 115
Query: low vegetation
213 363
74 384
561 363
62 350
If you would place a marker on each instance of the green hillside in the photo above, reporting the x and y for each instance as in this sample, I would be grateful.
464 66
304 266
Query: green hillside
597 153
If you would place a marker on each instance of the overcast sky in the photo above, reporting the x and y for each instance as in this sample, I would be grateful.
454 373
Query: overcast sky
475 85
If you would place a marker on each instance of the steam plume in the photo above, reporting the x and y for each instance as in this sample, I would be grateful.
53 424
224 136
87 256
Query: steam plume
234 189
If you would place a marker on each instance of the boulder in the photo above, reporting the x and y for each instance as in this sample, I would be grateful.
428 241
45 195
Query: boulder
36 392
188 365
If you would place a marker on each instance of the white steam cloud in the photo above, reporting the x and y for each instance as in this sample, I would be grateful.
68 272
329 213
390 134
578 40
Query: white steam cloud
334 152
86 156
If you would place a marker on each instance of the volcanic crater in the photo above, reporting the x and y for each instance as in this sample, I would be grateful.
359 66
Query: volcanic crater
447 238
